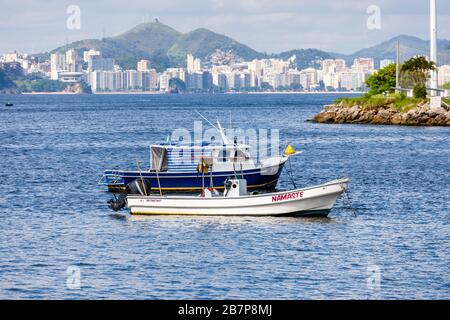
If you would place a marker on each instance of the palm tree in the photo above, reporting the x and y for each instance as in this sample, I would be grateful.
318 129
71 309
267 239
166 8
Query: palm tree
416 72
418 69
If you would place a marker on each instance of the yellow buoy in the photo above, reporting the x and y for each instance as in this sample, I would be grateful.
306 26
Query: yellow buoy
290 150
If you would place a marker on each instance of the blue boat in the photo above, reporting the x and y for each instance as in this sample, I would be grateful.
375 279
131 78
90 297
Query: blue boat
176 168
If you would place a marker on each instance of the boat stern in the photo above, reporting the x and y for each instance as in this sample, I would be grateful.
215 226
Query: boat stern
113 180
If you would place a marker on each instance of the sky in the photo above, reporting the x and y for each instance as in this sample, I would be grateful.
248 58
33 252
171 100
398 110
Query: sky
344 26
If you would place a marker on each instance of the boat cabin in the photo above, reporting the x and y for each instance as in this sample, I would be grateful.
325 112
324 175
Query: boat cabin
186 158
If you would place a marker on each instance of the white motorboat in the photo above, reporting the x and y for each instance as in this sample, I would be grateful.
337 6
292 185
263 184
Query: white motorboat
316 201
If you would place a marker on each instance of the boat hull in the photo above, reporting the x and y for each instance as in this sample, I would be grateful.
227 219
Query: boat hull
117 180
308 202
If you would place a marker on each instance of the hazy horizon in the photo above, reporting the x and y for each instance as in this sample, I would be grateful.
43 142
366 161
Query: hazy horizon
266 26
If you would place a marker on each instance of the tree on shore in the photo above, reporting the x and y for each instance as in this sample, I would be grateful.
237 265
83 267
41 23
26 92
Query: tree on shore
382 81
415 73
5 81
177 84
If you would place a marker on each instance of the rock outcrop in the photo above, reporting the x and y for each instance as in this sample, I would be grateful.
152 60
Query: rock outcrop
76 89
422 115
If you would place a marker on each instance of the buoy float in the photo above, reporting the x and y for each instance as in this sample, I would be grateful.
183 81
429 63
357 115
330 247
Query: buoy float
290 150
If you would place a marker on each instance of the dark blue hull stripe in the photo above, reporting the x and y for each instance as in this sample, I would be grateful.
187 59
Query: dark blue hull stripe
190 180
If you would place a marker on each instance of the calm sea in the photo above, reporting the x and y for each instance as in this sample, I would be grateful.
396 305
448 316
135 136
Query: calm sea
59 240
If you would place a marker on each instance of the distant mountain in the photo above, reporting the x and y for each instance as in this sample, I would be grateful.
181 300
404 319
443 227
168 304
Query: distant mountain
203 42
167 47
164 46
409 47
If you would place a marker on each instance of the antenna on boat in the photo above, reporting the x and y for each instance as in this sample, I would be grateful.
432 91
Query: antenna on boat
222 134
204 118
218 128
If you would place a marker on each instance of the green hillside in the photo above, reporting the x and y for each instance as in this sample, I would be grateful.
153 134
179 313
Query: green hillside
164 46
6 84
203 42
167 47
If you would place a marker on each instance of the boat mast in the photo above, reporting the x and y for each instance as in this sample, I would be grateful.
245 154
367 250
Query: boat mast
433 46
224 137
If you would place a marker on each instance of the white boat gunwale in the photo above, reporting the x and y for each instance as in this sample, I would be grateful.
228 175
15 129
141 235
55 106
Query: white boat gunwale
269 194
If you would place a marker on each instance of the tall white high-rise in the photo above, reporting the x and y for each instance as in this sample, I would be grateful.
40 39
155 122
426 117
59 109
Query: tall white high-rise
190 62
90 53
197 65
143 65
363 64
57 64
193 65
333 66
71 60
444 74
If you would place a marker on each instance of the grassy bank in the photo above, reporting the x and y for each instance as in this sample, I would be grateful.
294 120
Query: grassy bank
395 101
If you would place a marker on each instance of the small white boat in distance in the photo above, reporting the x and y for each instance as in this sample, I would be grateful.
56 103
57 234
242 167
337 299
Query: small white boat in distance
314 201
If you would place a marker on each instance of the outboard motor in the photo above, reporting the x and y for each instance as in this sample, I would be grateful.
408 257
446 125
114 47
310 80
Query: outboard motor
227 186
118 203
136 187
235 188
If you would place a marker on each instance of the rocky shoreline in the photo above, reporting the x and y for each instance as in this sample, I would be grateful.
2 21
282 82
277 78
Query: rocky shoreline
422 115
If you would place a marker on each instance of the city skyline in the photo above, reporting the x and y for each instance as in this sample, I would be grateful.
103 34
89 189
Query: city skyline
104 75
285 24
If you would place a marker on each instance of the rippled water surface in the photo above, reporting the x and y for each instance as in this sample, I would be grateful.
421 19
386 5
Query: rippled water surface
54 217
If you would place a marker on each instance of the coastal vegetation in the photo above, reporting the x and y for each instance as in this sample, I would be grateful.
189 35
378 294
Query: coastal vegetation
41 85
6 84
382 81
387 111
396 101
13 80
415 73
382 105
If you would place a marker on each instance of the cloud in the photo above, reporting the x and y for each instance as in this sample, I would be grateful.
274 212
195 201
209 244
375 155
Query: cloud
266 25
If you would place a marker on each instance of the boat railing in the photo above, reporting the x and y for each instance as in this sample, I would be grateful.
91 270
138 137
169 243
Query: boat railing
110 179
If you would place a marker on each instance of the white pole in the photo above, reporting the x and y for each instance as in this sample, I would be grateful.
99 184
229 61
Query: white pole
397 70
433 45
